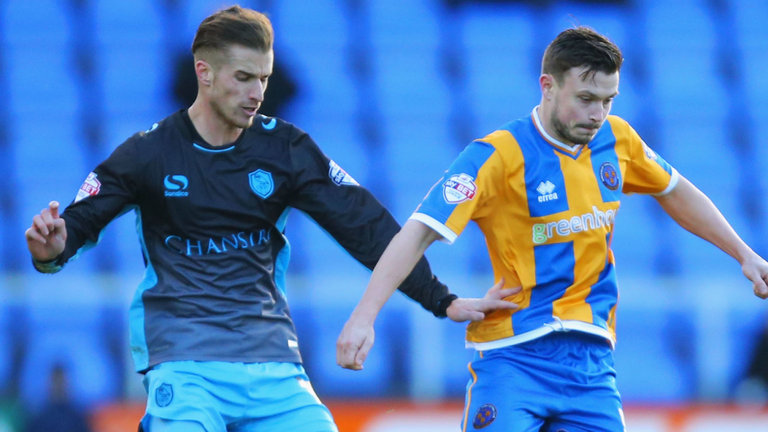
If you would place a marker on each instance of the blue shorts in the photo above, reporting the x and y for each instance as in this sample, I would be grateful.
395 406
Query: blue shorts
564 381
242 397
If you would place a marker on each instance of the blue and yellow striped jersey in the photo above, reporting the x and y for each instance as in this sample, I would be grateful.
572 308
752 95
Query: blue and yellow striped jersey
547 212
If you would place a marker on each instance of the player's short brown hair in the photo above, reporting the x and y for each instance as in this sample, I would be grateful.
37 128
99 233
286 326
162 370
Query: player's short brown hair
578 47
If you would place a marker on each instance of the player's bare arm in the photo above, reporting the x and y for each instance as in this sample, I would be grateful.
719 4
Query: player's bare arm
47 235
405 249
695 212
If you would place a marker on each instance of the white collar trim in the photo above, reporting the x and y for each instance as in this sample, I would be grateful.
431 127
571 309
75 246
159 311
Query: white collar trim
548 137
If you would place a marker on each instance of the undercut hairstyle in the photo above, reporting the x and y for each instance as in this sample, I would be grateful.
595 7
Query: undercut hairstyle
581 47
233 26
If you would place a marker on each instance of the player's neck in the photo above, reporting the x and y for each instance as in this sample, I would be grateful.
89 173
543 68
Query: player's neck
544 114
208 125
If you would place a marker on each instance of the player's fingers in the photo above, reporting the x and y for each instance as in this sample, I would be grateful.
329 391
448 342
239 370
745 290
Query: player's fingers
344 359
346 351
475 316
54 208
760 288
58 224
40 225
362 354
497 286
32 234
506 292
491 305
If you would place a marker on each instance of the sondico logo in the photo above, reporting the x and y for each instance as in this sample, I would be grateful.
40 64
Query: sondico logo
542 232
176 185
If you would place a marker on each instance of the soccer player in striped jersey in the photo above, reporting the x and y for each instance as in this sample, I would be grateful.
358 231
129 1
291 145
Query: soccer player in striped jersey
545 190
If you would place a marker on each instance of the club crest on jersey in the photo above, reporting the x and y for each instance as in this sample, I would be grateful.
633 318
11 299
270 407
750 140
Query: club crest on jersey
164 395
609 176
485 415
90 187
261 183
339 176
459 188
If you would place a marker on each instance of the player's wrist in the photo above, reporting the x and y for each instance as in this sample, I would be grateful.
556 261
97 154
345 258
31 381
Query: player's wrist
47 266
443 304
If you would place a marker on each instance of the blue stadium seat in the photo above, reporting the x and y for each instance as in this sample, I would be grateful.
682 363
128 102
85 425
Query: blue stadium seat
6 354
455 357
406 62
131 58
760 145
193 12
635 237
651 360
48 160
751 38
607 18
680 67
137 21
23 23
700 151
404 24
745 328
501 59
40 80
70 335
313 41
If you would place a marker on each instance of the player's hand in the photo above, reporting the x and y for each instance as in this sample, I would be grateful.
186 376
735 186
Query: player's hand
354 343
756 270
47 236
475 309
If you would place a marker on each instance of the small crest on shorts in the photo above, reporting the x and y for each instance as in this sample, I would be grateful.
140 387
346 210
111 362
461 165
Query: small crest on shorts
164 395
485 415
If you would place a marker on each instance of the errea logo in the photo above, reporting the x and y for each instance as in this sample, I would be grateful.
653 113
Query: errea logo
546 190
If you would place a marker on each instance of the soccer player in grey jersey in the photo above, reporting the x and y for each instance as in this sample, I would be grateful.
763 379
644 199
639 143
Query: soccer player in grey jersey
211 186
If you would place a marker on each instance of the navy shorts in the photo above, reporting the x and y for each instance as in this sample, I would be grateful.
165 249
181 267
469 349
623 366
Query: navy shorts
561 382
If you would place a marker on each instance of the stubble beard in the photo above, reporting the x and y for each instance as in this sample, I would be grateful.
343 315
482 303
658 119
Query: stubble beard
564 133
230 121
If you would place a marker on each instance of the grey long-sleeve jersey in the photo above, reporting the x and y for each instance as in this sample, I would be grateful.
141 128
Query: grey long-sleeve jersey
211 224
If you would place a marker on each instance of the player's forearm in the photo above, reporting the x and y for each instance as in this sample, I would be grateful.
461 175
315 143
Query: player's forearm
695 212
397 261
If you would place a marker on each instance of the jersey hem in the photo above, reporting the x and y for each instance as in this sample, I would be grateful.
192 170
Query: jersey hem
557 325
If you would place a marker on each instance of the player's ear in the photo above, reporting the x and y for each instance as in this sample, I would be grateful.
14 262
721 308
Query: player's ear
204 72
546 82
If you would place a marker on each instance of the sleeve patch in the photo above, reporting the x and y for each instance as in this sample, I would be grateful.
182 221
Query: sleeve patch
339 176
459 188
90 187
